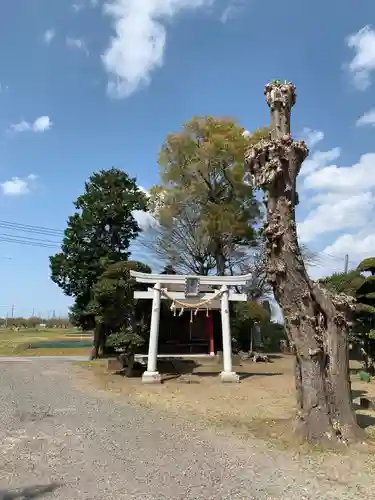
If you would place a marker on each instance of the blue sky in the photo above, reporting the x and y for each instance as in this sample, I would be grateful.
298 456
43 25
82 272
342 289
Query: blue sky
86 85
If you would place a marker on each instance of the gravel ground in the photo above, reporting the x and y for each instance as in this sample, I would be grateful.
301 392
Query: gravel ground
56 442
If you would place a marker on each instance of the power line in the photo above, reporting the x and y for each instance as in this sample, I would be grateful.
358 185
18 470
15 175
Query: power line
336 257
30 243
29 238
32 227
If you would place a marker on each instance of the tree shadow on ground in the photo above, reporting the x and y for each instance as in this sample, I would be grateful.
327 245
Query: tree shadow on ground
364 420
242 375
177 368
272 356
358 393
28 493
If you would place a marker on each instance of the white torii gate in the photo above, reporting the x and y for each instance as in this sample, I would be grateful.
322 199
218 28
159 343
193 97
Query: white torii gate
190 292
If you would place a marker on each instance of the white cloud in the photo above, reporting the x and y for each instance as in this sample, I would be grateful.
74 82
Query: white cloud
144 191
232 10
145 219
367 118
312 137
349 212
137 48
357 245
77 43
319 160
77 7
49 35
358 177
343 200
41 124
363 62
17 186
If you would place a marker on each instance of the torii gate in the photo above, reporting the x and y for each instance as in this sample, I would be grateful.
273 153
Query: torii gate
190 292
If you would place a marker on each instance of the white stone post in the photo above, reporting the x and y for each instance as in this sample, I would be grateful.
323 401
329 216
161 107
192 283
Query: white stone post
227 375
152 376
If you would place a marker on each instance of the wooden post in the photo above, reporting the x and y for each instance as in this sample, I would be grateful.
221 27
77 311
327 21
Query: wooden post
152 376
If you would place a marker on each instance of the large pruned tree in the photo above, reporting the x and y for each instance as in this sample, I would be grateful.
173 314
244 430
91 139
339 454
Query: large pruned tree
98 233
202 204
316 320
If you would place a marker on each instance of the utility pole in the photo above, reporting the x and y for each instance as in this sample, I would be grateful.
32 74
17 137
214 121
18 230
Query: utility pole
13 311
346 266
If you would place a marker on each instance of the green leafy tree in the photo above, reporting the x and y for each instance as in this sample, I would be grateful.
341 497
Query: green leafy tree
113 300
202 188
362 288
246 316
98 233
114 307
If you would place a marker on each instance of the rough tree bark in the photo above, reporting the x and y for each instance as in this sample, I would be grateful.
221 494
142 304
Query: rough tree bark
316 320
99 341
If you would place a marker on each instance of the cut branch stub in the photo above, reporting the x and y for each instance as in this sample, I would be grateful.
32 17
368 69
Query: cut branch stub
272 159
280 98
277 91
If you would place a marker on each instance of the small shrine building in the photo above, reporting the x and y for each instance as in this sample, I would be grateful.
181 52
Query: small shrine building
193 295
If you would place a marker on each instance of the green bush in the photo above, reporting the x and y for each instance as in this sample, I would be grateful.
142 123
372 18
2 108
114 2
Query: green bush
364 377
127 340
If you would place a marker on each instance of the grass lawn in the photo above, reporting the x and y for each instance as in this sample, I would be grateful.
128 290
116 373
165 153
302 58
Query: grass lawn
13 343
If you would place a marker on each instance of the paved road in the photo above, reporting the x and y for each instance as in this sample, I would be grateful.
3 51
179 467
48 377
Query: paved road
58 443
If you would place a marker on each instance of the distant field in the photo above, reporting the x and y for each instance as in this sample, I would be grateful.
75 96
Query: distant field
48 342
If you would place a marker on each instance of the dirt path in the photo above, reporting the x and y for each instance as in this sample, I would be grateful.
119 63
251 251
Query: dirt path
57 442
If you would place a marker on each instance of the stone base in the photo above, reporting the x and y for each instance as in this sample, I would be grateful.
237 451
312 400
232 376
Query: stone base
229 377
151 378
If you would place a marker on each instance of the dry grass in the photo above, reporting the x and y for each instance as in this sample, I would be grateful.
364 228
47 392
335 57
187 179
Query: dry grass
263 404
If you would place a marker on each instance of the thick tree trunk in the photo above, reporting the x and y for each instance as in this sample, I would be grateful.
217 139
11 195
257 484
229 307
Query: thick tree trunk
99 341
220 264
318 331
316 321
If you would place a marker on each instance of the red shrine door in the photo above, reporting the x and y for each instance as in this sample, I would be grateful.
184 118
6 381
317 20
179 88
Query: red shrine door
191 333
